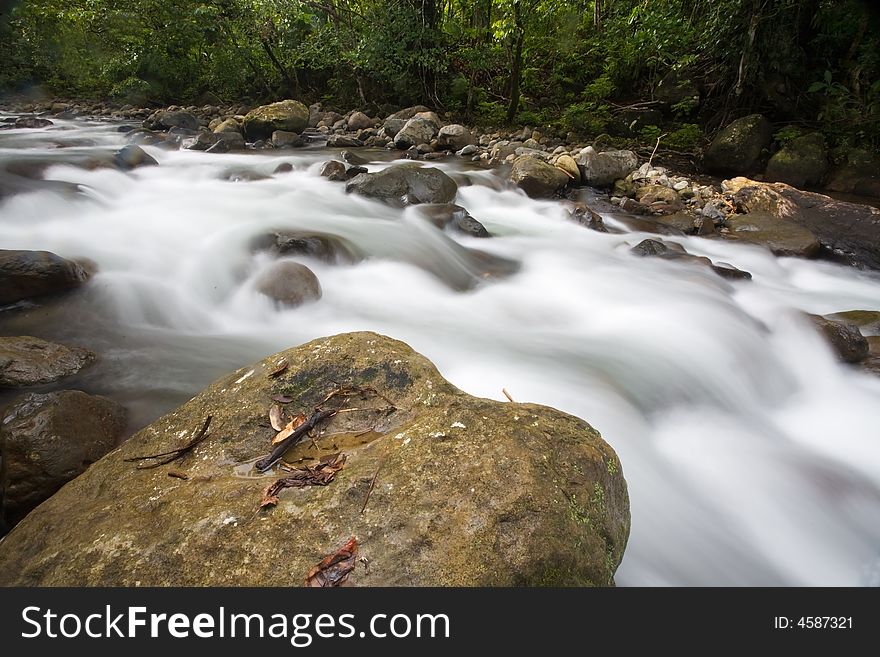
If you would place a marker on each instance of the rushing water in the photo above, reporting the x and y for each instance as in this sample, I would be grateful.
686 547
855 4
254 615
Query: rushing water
752 456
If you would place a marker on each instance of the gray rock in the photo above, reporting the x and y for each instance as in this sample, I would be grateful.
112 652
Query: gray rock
395 122
470 149
29 274
454 137
739 146
405 185
536 177
286 139
359 121
420 129
133 156
289 283
334 170
353 158
32 122
165 120
782 237
48 439
29 361
602 169
344 141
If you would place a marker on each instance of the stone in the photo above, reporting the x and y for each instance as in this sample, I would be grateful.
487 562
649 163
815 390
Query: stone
739 146
289 283
848 343
802 162
343 141
395 122
359 121
32 122
568 164
334 170
858 174
471 492
468 150
353 158
421 128
133 156
29 361
286 139
229 125
536 177
782 237
602 169
46 440
668 198
454 137
449 215
327 248
405 184
31 274
164 120
867 321
288 115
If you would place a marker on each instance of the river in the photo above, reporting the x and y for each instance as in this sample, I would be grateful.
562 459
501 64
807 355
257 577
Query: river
752 456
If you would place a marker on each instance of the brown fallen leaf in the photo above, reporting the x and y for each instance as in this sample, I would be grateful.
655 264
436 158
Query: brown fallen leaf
320 475
279 369
177 474
333 569
282 399
289 428
276 417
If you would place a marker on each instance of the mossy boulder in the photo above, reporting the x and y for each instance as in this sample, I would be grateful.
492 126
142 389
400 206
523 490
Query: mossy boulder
782 237
440 488
536 177
802 162
738 148
289 115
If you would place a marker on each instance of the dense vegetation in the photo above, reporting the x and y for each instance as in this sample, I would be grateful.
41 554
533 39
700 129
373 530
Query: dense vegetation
579 66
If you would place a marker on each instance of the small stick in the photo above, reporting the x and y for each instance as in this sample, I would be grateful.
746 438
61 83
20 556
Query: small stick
264 464
507 394
174 454
656 146
370 489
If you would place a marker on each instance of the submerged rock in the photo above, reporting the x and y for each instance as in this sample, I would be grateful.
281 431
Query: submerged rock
29 274
131 157
289 283
29 361
845 339
47 440
867 321
447 489
449 215
405 185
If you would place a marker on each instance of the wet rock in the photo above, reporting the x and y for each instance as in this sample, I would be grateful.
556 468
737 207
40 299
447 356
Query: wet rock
32 122
287 115
165 120
131 157
867 321
738 148
286 139
30 274
449 215
284 167
395 122
674 251
205 140
782 237
49 439
405 185
802 162
602 169
588 217
29 361
289 283
420 129
334 170
454 137
344 141
536 177
354 158
359 121
471 492
650 247
728 271
328 248
351 172
845 339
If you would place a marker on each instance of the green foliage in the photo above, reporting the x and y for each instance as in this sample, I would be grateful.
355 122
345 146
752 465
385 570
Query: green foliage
787 135
688 137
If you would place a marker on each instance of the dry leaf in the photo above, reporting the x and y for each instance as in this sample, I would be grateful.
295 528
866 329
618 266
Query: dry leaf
334 569
320 475
177 474
289 428
276 417
279 369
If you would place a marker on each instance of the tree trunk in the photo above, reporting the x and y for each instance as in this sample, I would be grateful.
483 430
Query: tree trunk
292 82
516 67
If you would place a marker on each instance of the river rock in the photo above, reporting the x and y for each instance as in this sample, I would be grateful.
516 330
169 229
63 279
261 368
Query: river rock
289 115
782 237
29 361
739 146
48 439
602 169
333 170
420 129
867 321
164 120
659 198
286 139
329 248
131 157
229 125
536 177
845 339
289 283
802 162
454 137
568 164
449 215
359 121
354 159
29 274
344 141
470 492
395 122
858 174
405 185
849 230
32 122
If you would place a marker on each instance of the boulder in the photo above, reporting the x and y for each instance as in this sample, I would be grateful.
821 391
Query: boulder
405 185
395 122
289 115
164 120
845 339
32 122
207 141
359 121
859 174
849 230
420 129
659 198
29 274
867 321
334 170
445 490
782 237
536 177
48 439
229 125
133 156
802 162
354 159
28 361
344 141
289 283
454 137
602 169
286 139
328 248
738 148
449 215
568 164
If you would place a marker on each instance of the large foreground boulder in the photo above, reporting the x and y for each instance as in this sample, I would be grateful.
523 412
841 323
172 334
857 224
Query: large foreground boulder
405 185
289 115
739 146
47 440
28 361
28 274
439 488
849 230
536 177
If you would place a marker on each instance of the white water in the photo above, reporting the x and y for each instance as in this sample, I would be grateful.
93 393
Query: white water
752 456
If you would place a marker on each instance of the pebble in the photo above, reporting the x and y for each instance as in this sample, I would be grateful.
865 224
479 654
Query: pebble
680 185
